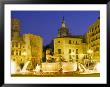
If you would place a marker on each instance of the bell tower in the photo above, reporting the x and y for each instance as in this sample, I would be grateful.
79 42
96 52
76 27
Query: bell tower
63 31
15 28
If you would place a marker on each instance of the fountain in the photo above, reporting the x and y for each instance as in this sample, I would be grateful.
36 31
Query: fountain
37 69
23 71
54 67
14 67
96 69
50 67
75 66
72 67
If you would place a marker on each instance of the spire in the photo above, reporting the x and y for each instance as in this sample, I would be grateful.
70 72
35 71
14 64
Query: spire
63 22
63 31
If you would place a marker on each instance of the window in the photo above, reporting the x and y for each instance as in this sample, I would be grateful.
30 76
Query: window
70 57
76 42
19 45
59 51
20 53
16 52
58 41
76 51
73 50
69 50
16 44
69 41
12 52
13 44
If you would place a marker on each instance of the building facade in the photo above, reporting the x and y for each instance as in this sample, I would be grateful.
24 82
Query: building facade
26 47
69 47
33 47
93 40
17 44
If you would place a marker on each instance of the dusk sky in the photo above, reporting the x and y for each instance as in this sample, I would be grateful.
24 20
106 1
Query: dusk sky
47 23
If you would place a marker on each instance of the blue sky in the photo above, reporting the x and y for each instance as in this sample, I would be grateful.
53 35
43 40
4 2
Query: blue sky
47 23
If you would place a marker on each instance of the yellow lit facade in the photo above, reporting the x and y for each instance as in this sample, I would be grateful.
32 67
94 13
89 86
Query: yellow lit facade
17 48
25 47
70 48
33 47
93 39
73 47
17 44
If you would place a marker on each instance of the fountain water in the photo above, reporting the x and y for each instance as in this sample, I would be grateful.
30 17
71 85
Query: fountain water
23 71
37 69
96 69
14 67
82 68
79 66
75 66
54 67
70 67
